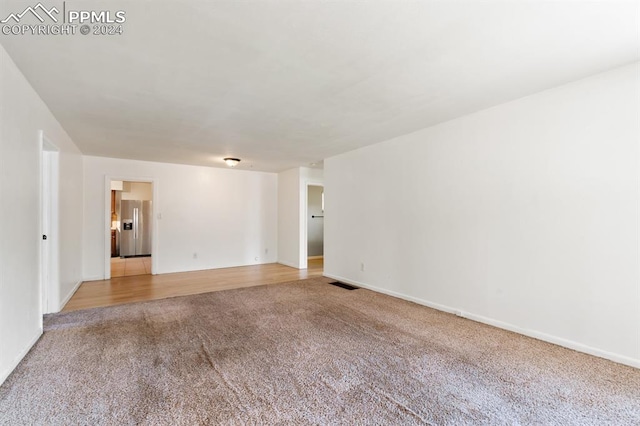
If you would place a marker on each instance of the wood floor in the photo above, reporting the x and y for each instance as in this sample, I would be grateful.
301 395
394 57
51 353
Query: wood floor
127 267
139 288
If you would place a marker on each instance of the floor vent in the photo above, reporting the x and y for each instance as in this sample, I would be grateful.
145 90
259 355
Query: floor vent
343 285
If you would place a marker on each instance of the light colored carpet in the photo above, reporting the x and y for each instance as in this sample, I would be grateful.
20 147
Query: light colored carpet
304 353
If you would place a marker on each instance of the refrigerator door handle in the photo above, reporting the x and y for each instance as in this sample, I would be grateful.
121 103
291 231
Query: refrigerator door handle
135 223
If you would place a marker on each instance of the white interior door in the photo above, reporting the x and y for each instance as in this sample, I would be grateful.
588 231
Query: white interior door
46 225
49 227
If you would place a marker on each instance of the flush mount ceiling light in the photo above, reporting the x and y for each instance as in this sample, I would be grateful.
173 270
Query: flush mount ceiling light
231 162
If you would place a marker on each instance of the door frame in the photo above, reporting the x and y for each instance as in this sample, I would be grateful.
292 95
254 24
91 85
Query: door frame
49 225
107 220
304 209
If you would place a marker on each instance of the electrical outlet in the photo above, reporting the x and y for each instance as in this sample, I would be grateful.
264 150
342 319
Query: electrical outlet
195 255
266 251
362 266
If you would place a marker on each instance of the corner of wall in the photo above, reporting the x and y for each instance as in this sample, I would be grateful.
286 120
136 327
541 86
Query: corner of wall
6 372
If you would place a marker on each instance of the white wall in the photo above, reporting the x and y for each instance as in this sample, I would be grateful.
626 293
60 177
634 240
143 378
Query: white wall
228 217
292 209
22 116
524 215
289 218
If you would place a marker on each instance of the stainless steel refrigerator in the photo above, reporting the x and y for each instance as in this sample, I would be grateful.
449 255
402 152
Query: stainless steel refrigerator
135 232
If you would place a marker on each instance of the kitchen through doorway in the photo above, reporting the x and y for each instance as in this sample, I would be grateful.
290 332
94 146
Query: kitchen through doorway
131 221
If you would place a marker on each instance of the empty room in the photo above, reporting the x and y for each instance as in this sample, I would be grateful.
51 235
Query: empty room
320 212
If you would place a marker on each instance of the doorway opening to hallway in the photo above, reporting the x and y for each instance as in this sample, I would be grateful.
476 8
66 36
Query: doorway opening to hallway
315 226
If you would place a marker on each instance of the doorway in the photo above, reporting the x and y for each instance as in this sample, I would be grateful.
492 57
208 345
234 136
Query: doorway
315 226
131 216
49 210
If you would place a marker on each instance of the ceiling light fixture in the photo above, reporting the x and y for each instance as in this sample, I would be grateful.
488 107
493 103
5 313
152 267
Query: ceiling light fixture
231 162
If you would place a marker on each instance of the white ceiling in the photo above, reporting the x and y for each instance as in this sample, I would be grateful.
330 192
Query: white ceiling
286 83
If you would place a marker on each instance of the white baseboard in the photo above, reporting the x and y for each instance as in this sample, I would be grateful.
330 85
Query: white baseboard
94 278
500 324
69 296
9 369
213 267
291 265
